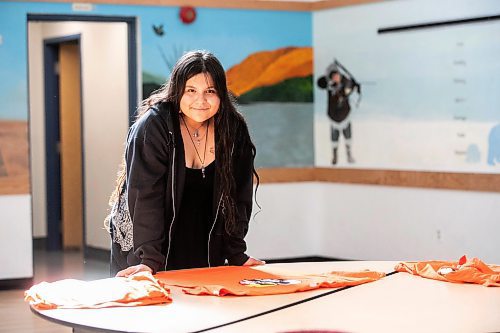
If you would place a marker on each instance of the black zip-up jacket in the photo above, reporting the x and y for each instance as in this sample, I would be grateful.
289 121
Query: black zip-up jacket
155 179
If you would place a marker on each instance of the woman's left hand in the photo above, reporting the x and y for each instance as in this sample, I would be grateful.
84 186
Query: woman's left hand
254 262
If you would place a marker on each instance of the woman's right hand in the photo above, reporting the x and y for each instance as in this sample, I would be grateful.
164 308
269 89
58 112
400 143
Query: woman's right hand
254 262
133 269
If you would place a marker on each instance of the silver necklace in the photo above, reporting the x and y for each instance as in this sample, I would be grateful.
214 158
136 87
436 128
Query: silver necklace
194 145
196 133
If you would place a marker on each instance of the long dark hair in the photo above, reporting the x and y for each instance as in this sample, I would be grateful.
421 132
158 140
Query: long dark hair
229 124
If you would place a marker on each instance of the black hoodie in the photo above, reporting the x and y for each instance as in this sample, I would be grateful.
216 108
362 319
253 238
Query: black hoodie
155 177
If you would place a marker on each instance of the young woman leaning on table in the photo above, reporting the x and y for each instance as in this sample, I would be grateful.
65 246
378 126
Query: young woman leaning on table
184 194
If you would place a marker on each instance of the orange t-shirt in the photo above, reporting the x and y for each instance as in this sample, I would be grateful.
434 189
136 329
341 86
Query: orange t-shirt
463 271
247 281
138 289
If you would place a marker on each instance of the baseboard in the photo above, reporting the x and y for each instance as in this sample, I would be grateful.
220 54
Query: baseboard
40 243
23 284
104 255
301 259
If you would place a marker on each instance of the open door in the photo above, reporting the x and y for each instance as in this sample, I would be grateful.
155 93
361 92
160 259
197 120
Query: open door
63 142
70 145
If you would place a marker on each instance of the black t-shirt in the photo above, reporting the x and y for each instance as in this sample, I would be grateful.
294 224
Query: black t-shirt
189 248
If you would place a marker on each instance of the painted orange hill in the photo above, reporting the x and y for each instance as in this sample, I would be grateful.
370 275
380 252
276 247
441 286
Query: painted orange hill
268 68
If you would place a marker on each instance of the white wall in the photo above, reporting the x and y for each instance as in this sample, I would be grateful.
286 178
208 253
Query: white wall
37 129
368 222
287 225
396 223
16 261
104 116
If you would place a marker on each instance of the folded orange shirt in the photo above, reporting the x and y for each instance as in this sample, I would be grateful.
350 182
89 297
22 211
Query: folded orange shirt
462 271
247 281
138 289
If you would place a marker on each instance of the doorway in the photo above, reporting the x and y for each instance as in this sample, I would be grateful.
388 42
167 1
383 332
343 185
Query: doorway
73 170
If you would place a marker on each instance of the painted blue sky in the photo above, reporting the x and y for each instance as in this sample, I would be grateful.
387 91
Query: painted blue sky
231 34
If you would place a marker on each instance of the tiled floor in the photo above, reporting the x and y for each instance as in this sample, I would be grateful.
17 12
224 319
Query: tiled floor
15 315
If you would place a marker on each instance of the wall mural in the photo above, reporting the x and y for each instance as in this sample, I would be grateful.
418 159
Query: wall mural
274 92
270 73
14 164
430 89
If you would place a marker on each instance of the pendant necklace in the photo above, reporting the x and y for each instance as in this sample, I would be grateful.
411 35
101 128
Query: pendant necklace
196 132
194 145
196 135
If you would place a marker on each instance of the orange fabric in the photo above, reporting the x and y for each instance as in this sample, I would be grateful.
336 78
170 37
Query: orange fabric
237 280
461 271
139 289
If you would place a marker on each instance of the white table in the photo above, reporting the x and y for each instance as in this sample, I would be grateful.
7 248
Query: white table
189 313
397 303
